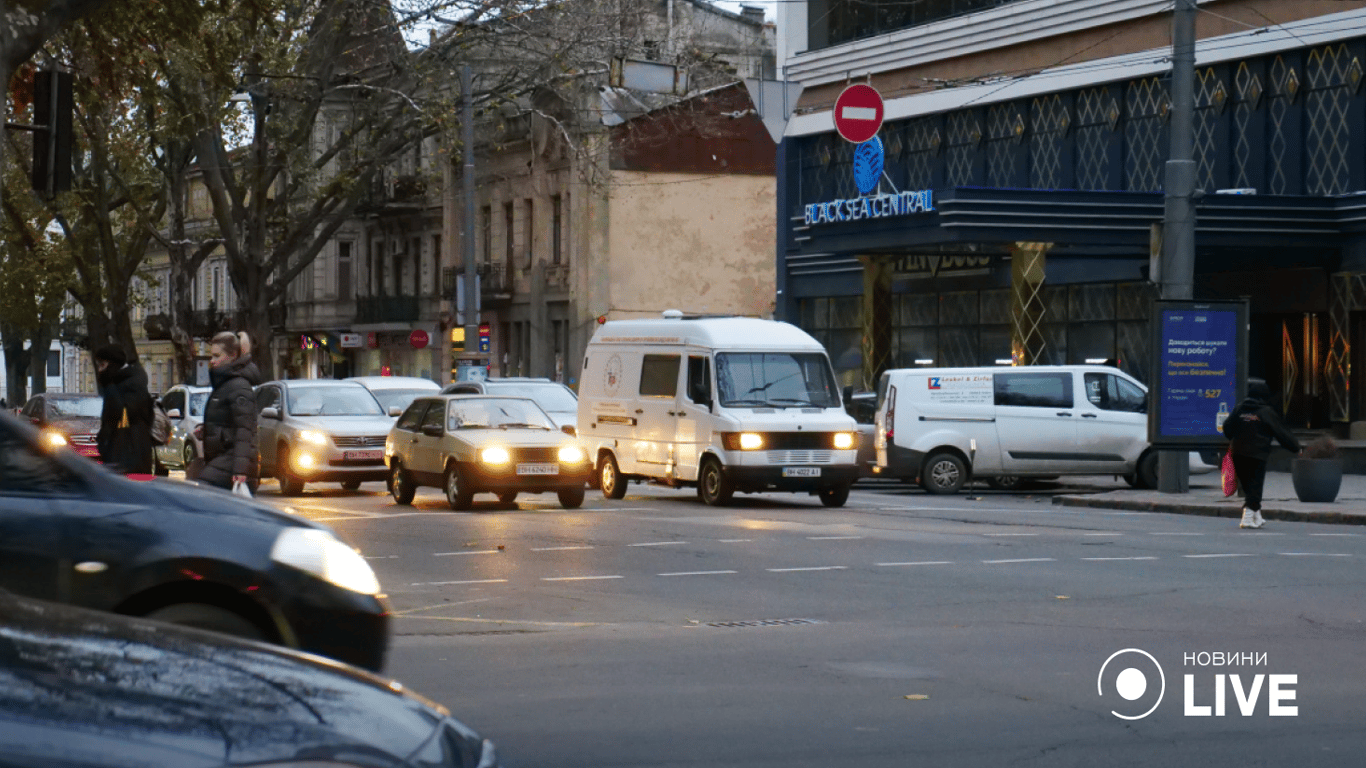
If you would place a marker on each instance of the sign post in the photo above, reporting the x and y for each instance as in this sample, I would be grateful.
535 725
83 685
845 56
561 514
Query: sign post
1199 371
858 113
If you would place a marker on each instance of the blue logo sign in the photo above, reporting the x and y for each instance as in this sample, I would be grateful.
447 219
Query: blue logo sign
868 159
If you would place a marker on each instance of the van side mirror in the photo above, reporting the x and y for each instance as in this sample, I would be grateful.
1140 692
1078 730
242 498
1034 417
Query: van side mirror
848 395
270 412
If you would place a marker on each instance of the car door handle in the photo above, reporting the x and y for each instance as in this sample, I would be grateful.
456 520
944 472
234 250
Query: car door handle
1088 416
640 410
1064 413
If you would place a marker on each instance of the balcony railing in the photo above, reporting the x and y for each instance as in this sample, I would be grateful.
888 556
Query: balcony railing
495 278
387 309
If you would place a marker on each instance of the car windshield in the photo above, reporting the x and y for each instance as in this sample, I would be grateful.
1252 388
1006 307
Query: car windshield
197 401
75 408
495 413
551 397
332 401
388 398
779 379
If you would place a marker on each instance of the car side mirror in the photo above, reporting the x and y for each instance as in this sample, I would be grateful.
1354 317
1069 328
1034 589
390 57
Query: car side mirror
395 410
270 413
570 430
432 430
174 413
848 395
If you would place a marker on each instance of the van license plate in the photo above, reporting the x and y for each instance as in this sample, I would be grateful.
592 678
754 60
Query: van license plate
362 455
538 469
801 471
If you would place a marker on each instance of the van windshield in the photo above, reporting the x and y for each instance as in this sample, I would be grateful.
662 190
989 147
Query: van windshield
778 379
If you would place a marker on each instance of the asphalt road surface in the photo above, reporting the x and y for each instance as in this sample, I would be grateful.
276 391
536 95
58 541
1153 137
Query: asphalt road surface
904 629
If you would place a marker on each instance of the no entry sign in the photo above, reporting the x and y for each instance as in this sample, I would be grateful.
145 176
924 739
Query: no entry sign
858 113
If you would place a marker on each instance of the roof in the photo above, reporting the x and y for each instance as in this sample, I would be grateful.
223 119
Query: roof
721 333
395 382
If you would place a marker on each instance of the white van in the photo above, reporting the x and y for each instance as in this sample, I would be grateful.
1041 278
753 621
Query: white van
944 426
725 404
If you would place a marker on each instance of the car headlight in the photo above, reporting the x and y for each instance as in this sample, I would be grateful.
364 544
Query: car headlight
303 460
494 456
844 441
320 553
314 436
571 454
53 439
750 441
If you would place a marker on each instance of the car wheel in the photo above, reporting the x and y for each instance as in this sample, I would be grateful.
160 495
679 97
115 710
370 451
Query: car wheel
944 473
210 617
290 484
401 485
713 486
458 493
507 498
835 497
571 498
609 478
159 469
350 485
1007 482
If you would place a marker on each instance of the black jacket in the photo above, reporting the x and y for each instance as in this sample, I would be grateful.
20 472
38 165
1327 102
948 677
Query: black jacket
125 437
1253 425
230 423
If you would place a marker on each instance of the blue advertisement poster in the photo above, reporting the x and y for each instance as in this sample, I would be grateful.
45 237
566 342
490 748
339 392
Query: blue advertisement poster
1197 383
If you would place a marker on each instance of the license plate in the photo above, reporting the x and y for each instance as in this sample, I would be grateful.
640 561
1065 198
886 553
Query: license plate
538 469
362 455
801 471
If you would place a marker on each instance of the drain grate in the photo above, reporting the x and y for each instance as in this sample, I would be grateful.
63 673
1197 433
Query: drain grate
763 623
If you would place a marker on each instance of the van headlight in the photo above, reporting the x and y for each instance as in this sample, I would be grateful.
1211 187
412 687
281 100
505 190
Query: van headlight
844 441
571 454
494 456
320 553
742 441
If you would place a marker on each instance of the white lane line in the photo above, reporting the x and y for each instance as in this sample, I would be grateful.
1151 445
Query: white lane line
922 562
1010 534
471 552
733 541
657 544
697 573
556 549
1334 534
815 568
578 578
1239 554
381 557
832 538
444 583
1313 554
1173 533
1021 560
1099 559
1102 534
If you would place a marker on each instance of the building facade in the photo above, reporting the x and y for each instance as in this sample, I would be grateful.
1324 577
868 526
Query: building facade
1038 133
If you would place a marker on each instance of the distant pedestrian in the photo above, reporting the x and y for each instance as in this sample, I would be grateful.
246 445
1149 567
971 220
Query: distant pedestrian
1251 427
229 428
125 437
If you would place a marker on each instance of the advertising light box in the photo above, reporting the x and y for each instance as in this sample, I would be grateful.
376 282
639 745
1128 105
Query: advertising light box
1200 367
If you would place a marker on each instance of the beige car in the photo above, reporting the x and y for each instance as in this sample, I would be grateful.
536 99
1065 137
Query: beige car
469 444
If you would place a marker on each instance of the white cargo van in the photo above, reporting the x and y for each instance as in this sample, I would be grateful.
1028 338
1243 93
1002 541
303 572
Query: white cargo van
944 426
725 404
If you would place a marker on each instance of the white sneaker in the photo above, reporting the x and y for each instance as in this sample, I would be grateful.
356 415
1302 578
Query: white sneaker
1249 519
1257 515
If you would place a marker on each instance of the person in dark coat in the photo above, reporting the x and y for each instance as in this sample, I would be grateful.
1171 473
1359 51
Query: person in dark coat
125 436
1251 427
229 428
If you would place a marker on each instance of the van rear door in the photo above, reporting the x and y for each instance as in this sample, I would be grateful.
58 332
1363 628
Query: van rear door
1036 421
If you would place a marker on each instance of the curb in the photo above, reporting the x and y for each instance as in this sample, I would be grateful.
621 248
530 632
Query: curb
1205 510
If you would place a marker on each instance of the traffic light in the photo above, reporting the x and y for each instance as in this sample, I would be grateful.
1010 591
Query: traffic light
52 106
484 337
458 339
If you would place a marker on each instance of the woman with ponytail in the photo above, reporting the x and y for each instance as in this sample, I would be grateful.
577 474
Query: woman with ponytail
229 428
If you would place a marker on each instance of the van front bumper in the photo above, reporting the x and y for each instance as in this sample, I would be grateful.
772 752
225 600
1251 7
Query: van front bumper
766 478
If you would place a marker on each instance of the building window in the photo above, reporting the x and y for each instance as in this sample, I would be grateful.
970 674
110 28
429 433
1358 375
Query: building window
486 232
344 287
556 222
510 248
840 21
529 230
436 264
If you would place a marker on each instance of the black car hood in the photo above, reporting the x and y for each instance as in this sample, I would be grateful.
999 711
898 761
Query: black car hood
204 499
208 699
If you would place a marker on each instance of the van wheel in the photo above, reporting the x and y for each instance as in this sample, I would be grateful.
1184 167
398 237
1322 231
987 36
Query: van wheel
713 486
944 473
835 497
609 478
1145 472
1007 482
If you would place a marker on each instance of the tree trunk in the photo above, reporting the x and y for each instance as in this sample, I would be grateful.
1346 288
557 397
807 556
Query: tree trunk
16 363
37 361
258 325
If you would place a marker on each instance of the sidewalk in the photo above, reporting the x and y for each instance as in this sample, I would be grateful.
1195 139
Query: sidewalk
1207 498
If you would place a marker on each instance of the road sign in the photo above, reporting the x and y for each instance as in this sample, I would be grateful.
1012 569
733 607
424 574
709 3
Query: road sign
858 113
351 340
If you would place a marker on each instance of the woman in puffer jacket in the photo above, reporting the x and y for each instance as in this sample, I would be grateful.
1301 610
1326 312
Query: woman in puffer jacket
229 428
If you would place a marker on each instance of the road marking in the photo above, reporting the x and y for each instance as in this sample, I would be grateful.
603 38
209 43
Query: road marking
578 578
1102 534
1098 559
922 562
832 538
381 557
697 573
1312 554
1240 554
1334 534
1172 533
814 568
444 583
472 552
657 544
1010 534
556 549
733 541
1021 560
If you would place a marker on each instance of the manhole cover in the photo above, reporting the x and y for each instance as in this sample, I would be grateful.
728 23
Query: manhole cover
763 623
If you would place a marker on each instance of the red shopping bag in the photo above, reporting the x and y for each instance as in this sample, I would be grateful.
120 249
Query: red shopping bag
1229 476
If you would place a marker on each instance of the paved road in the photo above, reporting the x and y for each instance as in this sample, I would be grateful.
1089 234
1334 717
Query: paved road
965 630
